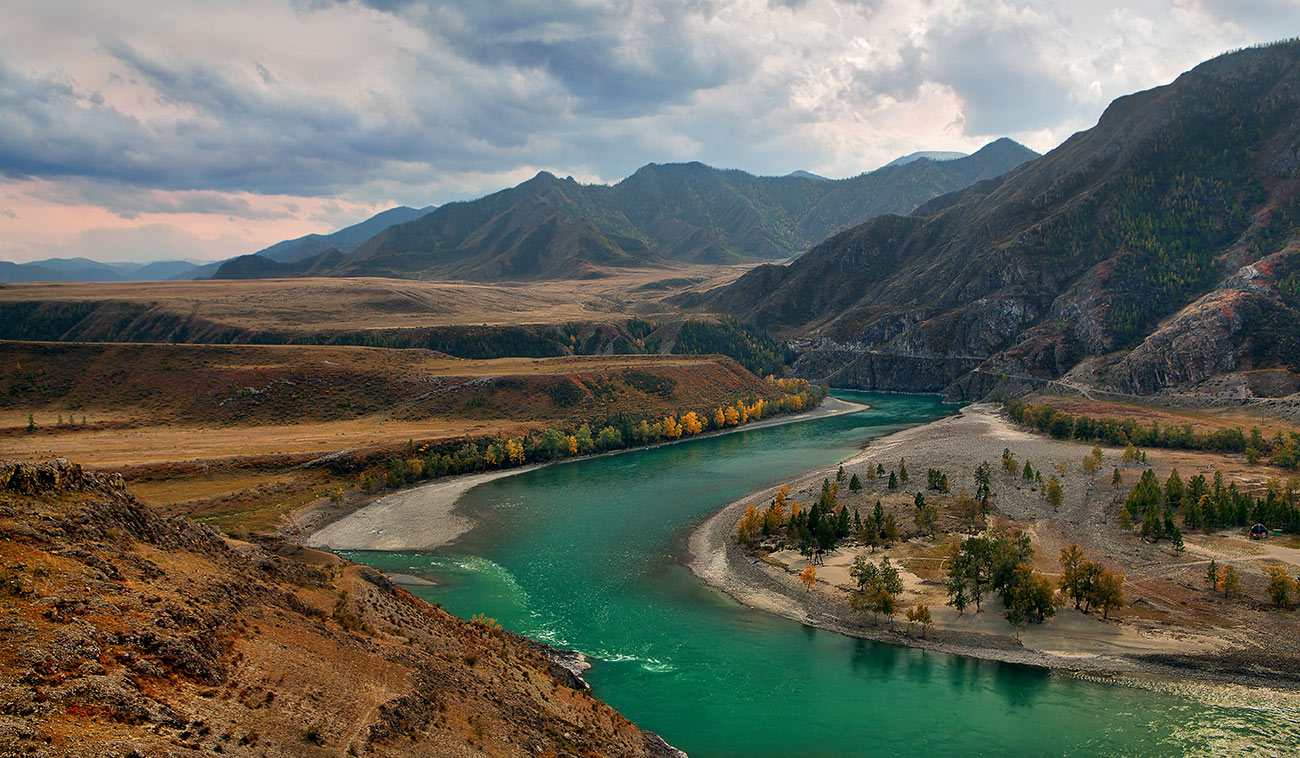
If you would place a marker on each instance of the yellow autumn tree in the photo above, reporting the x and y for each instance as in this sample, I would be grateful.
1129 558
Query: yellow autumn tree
719 418
672 429
742 411
750 526
691 424
515 449
808 577
732 416
573 445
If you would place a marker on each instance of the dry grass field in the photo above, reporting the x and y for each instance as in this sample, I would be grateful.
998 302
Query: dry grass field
327 304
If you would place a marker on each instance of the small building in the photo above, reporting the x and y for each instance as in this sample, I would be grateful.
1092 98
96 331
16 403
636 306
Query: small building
1258 532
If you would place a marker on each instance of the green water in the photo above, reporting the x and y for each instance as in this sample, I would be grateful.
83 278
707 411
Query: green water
590 555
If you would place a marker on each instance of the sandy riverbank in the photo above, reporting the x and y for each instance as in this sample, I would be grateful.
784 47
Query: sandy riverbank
425 517
1161 639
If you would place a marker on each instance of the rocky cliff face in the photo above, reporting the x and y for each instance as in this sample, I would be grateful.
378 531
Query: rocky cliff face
130 633
1141 242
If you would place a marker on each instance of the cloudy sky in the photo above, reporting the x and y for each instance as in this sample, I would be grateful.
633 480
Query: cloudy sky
139 130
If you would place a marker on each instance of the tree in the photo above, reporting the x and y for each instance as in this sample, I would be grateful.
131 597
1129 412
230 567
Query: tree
968 507
1055 495
984 483
919 614
1027 595
1212 575
889 531
732 416
839 475
1229 583
855 483
31 423
808 577
1174 489
1107 592
970 569
719 418
553 444
927 516
893 481
691 423
1116 479
1280 586
585 443
878 587
1028 473
872 471
1009 464
936 480
1071 580
515 449
902 471
750 526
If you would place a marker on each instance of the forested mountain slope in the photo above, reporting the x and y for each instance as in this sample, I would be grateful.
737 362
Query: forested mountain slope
1154 250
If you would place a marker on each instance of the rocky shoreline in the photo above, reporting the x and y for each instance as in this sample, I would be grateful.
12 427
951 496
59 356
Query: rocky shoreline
717 559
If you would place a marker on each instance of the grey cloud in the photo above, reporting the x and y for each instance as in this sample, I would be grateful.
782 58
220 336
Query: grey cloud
267 77
1006 80
8 213
132 202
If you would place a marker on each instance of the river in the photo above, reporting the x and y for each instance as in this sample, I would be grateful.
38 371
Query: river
591 555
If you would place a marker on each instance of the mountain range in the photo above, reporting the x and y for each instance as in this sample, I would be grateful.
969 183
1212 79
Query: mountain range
552 228
1157 249
86 270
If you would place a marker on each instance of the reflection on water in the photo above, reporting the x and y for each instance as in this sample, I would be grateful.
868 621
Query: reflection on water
581 555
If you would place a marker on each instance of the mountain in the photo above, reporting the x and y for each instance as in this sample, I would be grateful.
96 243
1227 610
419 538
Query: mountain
801 174
86 270
260 267
934 155
345 240
683 212
1155 250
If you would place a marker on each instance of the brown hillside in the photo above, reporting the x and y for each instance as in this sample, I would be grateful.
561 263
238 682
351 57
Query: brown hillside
129 633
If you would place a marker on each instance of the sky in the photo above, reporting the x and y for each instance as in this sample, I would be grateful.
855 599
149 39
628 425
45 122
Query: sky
140 130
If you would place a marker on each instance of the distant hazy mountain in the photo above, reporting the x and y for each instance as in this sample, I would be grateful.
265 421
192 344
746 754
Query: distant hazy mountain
934 155
344 240
86 270
801 174
1158 249
551 228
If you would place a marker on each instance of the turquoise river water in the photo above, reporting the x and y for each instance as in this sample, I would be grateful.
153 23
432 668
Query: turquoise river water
590 555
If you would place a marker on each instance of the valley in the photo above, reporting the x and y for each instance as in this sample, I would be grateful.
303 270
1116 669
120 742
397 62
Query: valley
561 468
